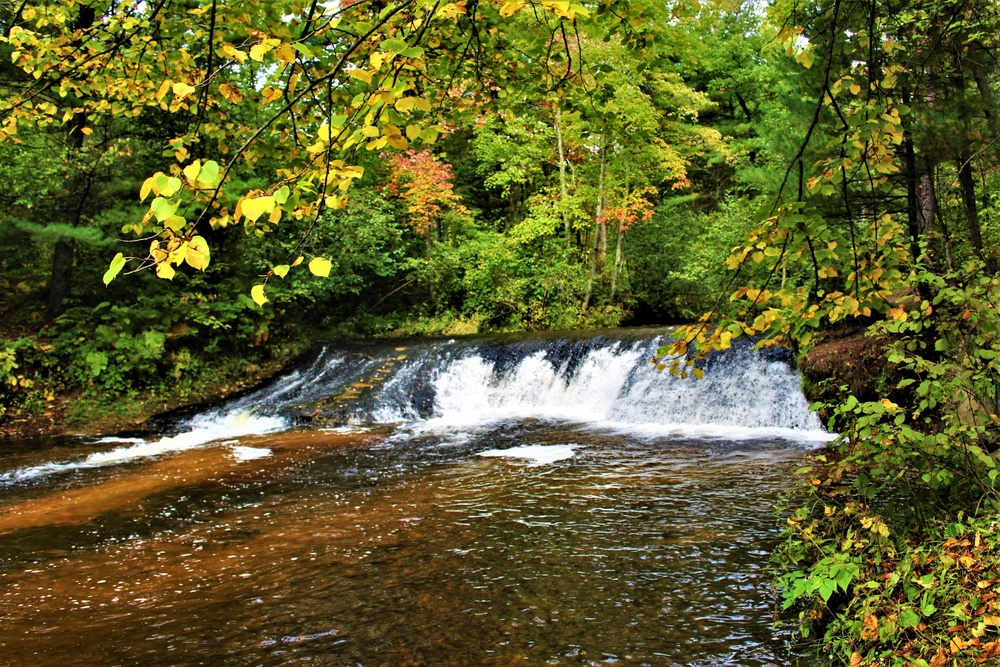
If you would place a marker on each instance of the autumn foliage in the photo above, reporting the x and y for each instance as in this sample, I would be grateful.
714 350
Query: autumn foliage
424 184
634 207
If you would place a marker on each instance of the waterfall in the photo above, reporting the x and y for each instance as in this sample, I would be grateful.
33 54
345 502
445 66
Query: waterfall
604 380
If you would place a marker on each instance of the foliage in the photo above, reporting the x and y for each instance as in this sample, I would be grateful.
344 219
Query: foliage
875 220
424 183
483 165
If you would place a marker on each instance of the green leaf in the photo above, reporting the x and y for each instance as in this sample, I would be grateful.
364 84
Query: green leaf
168 185
116 266
97 361
209 174
163 208
175 223
281 270
393 46
281 196
908 618
320 266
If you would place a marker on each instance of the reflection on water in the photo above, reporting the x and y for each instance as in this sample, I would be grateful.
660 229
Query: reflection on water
582 547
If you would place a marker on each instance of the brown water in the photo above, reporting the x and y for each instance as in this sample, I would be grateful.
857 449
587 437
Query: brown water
396 548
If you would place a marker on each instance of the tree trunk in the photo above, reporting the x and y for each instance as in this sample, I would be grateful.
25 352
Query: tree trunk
616 271
429 238
912 208
968 187
562 174
598 212
61 278
928 200
618 263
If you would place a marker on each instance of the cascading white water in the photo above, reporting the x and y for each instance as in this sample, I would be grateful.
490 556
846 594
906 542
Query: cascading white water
606 381
745 395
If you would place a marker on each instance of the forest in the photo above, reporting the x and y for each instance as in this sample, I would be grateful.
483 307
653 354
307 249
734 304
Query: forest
192 191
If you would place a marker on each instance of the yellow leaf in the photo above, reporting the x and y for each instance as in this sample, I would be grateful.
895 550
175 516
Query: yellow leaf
298 260
234 53
257 294
405 104
177 255
162 90
191 171
198 254
320 267
285 53
451 10
281 270
369 131
181 90
165 271
146 188
855 89
512 7
87 130
270 94
398 142
231 93
360 74
257 51
254 208
156 253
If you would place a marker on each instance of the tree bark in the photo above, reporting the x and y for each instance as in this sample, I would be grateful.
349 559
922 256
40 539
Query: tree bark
968 187
598 212
912 208
562 174
928 199
61 277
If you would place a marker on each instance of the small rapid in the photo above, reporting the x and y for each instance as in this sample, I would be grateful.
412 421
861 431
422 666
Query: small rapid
606 380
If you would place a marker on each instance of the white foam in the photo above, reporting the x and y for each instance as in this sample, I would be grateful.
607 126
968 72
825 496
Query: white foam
205 429
114 439
616 387
537 454
241 453
809 437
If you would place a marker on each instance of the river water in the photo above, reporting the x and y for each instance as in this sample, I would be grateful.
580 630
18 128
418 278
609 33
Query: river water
492 501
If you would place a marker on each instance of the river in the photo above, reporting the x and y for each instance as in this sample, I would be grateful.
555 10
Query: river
546 500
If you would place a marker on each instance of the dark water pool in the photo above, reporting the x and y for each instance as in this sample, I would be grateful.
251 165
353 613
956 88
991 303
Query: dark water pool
586 547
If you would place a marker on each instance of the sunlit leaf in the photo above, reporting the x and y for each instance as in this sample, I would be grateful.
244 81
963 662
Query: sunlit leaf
198 254
257 294
116 266
320 266
165 270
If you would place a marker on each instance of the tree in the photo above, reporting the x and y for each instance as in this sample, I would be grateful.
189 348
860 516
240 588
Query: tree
302 85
